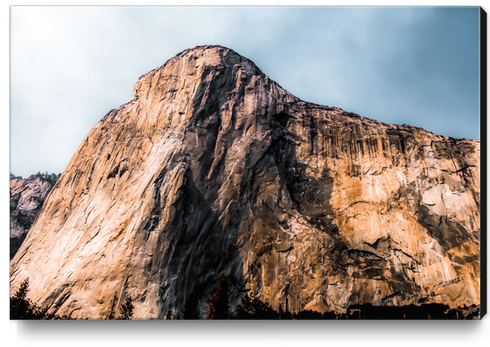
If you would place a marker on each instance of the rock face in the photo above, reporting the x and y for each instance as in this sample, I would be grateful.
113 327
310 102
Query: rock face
212 166
26 198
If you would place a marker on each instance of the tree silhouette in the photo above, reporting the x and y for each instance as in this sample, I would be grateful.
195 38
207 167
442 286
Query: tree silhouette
218 302
23 308
20 306
170 313
112 311
126 309
191 308
254 308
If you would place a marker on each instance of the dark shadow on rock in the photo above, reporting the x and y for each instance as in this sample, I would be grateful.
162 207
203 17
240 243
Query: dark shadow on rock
196 247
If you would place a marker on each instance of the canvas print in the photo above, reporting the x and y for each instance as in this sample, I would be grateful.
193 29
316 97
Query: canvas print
159 171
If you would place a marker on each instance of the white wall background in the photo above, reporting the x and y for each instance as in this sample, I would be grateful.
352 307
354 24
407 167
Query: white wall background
158 333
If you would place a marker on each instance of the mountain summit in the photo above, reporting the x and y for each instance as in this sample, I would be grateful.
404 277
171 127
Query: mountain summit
211 166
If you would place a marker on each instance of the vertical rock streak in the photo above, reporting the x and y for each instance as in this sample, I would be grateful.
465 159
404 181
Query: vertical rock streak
212 166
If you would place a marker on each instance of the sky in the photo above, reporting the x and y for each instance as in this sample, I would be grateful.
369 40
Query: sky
403 65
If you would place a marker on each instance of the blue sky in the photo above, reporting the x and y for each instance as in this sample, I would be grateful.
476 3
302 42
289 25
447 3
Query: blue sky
401 65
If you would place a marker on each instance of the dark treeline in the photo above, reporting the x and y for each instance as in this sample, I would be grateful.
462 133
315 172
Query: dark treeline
24 309
252 308
255 309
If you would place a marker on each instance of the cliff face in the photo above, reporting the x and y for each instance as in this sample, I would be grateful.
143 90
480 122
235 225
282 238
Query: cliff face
26 198
212 166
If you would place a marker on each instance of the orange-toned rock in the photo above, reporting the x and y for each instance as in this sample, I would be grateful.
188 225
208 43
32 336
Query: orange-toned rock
212 166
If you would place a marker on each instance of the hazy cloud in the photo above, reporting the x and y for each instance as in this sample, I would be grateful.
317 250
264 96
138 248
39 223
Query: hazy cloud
71 65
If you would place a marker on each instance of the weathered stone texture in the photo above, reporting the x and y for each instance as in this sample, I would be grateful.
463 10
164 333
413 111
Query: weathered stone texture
26 198
212 166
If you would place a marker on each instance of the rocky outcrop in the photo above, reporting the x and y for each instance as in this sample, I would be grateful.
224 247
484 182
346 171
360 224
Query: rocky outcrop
26 198
214 167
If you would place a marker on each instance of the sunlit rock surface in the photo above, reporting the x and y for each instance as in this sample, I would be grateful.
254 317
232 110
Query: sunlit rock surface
26 198
212 166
